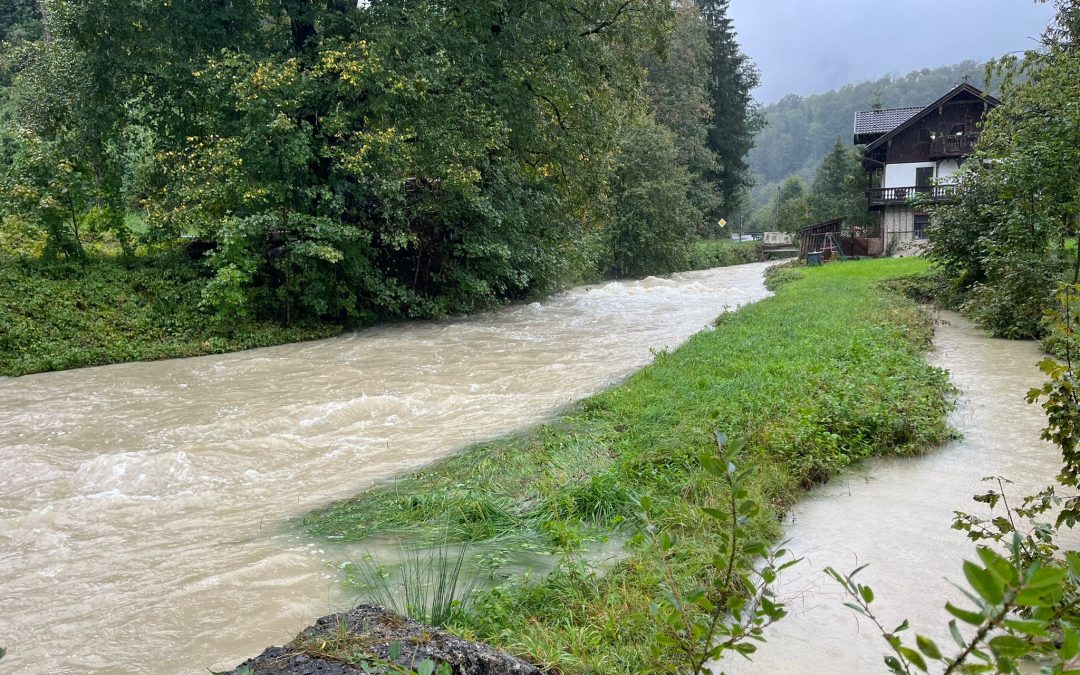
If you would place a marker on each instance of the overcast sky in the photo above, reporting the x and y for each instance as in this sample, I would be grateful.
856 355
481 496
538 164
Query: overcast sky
811 46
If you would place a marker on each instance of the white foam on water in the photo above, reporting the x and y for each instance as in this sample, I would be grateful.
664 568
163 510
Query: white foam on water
143 473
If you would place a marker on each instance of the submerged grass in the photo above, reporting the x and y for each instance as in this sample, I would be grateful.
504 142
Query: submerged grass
825 373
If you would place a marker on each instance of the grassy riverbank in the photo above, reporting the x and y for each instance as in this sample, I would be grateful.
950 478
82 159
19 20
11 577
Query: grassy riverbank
61 316
828 371
110 310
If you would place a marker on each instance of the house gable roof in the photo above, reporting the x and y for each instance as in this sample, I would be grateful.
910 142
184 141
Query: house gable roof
873 122
963 88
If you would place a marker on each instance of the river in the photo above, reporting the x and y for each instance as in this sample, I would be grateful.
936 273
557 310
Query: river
144 507
895 514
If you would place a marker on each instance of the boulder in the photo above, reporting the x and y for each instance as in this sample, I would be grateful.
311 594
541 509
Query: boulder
340 644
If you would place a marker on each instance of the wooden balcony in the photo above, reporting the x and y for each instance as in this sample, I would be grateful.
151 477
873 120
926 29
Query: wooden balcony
952 146
899 196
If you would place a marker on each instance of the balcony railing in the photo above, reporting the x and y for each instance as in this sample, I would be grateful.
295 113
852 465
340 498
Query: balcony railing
953 146
902 195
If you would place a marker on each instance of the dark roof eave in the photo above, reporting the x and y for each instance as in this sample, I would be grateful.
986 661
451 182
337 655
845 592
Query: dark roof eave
961 88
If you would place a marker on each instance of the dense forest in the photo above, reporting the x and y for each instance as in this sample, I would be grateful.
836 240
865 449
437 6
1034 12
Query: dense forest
290 161
801 131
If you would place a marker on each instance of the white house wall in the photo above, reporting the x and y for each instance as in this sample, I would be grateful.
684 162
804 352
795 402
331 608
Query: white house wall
946 168
902 175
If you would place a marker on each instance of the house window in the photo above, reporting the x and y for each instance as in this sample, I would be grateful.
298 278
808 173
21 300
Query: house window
924 176
921 221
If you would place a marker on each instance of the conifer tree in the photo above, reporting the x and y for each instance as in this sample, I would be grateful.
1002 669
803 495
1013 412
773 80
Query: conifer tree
839 188
736 117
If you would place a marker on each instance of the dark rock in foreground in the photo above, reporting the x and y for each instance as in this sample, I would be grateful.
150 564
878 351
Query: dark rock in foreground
339 644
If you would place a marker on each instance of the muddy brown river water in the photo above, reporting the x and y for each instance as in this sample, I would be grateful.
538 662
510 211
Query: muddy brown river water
144 507
895 515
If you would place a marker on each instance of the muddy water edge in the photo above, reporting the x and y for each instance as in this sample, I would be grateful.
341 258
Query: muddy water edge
895 514
143 505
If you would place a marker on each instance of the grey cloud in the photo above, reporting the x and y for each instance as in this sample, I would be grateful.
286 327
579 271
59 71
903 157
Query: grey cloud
811 47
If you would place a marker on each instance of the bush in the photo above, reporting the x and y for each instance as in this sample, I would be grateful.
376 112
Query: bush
712 253
55 316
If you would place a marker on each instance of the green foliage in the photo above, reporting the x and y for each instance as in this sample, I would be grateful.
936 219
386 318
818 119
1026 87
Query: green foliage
52 194
653 220
1061 397
788 210
348 172
70 315
711 253
808 399
734 607
838 191
839 188
1002 257
1002 242
735 115
1018 611
19 20
678 91
343 171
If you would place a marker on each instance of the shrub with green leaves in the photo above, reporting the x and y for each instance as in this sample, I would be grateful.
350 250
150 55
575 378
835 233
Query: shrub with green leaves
75 314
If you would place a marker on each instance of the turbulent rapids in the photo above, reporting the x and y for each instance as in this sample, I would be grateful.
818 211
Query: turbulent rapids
145 506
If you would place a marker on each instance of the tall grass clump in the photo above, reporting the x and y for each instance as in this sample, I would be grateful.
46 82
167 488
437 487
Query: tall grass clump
428 585
827 372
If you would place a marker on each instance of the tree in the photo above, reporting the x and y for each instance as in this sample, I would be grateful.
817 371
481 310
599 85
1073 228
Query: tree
1002 242
358 173
736 117
678 95
354 161
788 210
839 188
20 20
653 218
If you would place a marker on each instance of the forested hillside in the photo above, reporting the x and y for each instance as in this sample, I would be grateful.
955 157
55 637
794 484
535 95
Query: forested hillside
800 131
344 163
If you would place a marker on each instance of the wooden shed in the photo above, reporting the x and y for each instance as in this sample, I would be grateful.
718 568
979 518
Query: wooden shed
813 238
855 242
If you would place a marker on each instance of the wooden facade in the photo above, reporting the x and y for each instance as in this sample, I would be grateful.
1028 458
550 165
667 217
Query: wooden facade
947 128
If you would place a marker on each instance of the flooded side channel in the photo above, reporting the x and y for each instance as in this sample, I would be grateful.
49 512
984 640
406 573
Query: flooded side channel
142 505
895 514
